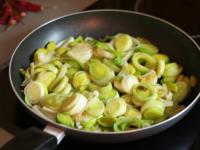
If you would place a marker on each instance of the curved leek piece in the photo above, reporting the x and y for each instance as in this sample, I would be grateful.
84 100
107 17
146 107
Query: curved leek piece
111 65
71 72
126 83
76 41
140 58
51 46
182 92
27 76
100 73
35 91
101 53
143 92
162 57
107 92
72 63
172 70
46 67
65 119
87 121
160 68
149 77
105 46
74 104
123 42
60 75
128 123
172 87
105 96
91 41
133 112
42 55
65 42
127 69
107 121
57 63
60 86
153 110
46 77
95 108
116 107
49 112
127 98
80 80
53 101
169 79
81 53
147 48
67 89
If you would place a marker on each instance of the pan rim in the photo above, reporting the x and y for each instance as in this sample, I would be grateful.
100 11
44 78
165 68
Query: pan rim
47 120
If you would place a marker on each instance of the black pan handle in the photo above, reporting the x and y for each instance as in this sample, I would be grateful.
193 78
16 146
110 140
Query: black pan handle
32 139
36 139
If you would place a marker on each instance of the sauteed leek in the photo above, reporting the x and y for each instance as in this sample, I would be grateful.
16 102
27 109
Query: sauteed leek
112 84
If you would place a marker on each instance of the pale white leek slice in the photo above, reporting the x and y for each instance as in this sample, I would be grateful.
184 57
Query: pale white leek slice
81 52
128 82
74 104
35 91
116 107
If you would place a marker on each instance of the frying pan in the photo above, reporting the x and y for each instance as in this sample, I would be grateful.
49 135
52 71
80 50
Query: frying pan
98 23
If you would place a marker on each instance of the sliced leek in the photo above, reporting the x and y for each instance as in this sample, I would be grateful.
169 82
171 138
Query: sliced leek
116 83
116 107
35 91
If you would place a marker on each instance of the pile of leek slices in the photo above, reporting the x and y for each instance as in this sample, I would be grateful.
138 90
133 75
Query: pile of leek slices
116 83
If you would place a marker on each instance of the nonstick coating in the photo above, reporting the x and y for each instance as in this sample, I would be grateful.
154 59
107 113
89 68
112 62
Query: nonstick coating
170 39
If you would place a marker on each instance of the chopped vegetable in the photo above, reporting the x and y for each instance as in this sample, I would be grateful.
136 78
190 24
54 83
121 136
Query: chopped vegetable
126 83
153 110
80 80
81 53
95 108
143 92
74 104
35 91
107 121
140 58
123 42
147 48
182 91
116 107
65 119
100 73
116 84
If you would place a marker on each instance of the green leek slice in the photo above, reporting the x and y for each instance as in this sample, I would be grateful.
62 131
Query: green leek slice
143 92
107 121
65 119
123 42
153 110
100 73
139 58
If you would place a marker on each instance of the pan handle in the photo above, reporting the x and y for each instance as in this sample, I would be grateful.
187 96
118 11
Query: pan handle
34 138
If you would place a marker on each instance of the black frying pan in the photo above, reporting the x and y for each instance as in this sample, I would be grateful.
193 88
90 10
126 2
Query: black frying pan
169 38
